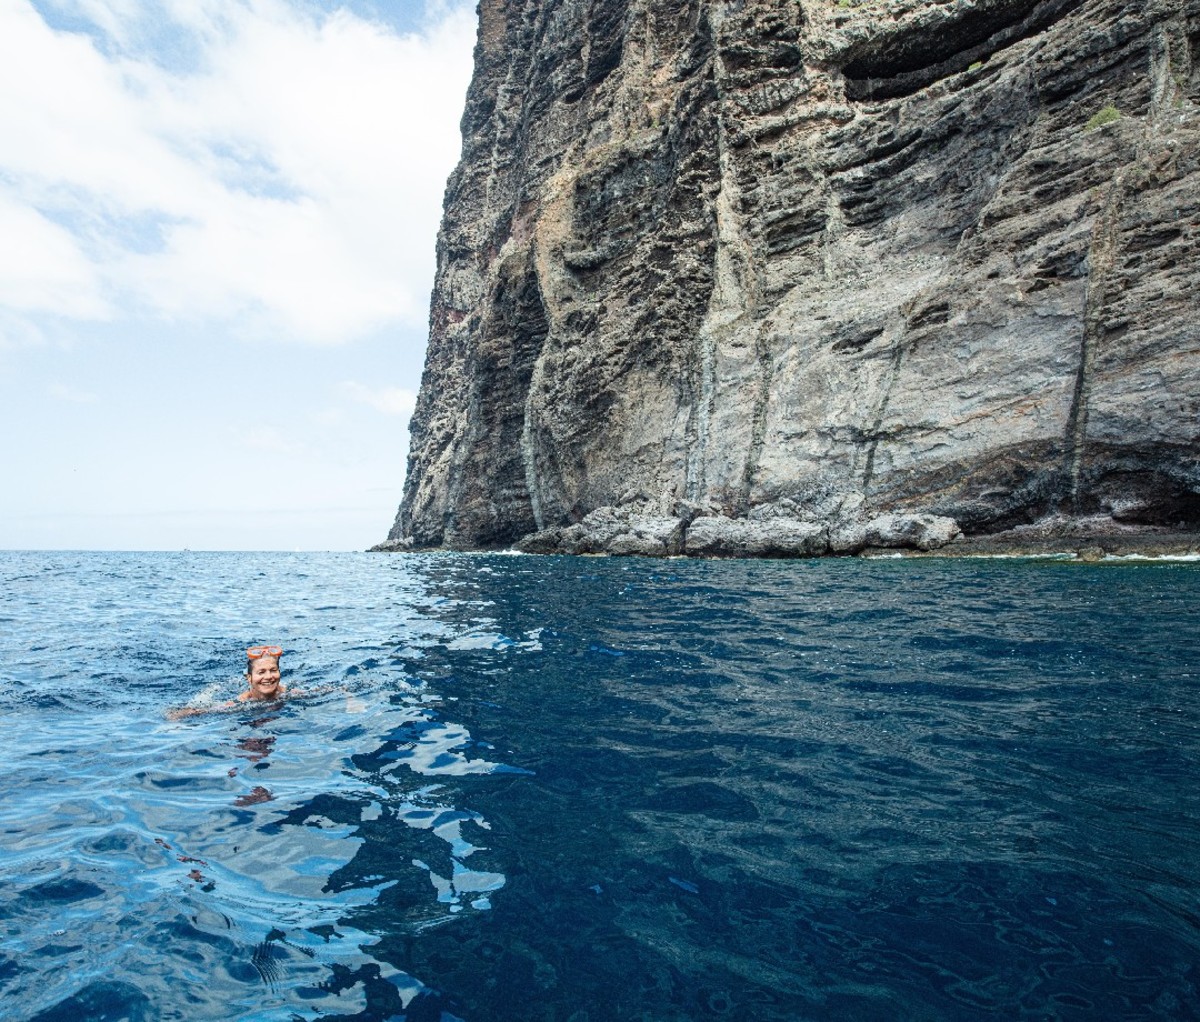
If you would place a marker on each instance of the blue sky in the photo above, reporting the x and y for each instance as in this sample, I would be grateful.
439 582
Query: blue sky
217 229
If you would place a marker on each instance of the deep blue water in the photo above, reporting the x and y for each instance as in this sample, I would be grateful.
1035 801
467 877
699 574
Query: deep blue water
527 788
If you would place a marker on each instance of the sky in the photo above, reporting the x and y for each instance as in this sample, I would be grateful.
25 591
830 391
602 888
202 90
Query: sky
217 231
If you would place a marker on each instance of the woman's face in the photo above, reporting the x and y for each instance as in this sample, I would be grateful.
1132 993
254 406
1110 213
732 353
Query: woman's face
263 676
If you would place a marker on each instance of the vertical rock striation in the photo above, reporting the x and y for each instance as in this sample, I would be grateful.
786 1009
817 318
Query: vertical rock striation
799 276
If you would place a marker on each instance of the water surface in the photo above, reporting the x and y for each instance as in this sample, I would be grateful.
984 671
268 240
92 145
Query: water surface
580 789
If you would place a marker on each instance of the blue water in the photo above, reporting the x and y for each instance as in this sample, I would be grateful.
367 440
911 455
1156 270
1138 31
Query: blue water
580 789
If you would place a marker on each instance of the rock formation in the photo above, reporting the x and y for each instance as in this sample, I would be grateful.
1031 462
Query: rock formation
807 276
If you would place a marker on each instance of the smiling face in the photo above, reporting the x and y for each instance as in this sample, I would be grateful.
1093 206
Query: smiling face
263 678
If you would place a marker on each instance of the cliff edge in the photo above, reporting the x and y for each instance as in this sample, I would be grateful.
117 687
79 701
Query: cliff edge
789 277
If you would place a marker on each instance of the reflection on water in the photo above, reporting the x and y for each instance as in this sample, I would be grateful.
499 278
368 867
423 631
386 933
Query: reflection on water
213 867
539 788
243 879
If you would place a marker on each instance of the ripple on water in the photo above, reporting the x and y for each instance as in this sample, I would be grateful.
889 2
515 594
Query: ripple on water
671 790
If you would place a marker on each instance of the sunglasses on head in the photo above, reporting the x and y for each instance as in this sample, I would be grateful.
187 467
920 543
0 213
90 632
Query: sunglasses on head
254 652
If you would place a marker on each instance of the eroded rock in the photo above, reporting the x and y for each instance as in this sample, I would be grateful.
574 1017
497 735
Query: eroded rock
776 537
769 530
612 530
918 532
871 267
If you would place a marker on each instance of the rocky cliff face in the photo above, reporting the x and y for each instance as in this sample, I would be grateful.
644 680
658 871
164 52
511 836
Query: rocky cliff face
800 276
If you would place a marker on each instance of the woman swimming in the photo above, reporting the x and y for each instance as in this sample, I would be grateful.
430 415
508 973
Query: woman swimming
262 674
263 683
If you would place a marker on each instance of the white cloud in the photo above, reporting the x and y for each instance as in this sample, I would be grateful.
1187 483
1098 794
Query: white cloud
283 177
389 400
42 267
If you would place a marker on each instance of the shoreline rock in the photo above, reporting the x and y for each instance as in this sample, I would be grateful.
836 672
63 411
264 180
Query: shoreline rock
1091 538
654 531
782 530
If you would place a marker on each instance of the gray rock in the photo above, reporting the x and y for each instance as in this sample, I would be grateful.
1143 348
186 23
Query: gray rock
392 546
622 531
919 532
773 537
632 531
838 262
649 529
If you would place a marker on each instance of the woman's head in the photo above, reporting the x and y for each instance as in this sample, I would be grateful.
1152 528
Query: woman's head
262 671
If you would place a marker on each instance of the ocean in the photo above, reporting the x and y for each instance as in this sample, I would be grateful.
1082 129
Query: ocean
566 790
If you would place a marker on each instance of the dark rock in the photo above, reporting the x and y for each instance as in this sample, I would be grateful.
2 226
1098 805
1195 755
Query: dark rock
873 268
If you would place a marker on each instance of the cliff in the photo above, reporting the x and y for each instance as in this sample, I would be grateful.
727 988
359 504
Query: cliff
804 276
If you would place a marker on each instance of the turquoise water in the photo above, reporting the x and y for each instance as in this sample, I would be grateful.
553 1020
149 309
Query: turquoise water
579 789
